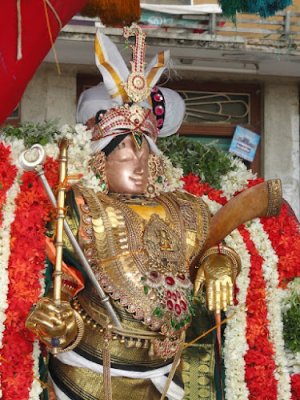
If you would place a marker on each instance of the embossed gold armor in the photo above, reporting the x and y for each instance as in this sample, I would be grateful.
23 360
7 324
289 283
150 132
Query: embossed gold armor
141 253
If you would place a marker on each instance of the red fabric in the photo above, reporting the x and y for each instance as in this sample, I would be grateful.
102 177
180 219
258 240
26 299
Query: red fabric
15 75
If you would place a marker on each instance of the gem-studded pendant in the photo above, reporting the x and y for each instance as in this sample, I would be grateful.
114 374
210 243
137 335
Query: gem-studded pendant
138 139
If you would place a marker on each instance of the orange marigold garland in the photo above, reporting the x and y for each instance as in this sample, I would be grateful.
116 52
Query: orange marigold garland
7 175
26 268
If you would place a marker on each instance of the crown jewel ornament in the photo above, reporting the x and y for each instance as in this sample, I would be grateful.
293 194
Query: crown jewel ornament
137 87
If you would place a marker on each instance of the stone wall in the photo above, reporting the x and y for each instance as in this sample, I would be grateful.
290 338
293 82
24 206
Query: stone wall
281 139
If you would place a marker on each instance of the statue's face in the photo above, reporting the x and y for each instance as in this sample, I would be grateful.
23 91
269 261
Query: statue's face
127 167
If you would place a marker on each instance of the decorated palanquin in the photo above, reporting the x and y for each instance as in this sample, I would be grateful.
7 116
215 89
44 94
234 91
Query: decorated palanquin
257 365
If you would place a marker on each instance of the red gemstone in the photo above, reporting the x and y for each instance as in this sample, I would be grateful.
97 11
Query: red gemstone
154 274
159 110
183 305
170 304
170 281
158 97
160 122
177 309
174 297
181 277
169 294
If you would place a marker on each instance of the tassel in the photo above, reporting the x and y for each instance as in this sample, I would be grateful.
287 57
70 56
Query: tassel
264 8
106 364
19 41
113 12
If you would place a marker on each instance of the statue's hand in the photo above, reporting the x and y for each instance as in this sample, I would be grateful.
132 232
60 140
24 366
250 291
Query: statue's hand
55 325
219 268
219 282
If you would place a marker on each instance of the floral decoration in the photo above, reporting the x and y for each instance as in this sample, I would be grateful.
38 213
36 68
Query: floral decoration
254 336
257 364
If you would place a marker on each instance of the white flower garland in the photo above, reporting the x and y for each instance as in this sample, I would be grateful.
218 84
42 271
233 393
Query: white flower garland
237 179
274 298
236 346
36 388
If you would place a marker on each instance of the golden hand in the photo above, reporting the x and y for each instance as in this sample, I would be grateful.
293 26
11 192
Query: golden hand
219 269
55 325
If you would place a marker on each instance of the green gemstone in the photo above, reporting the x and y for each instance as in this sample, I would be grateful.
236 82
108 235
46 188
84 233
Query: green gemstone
146 289
138 139
103 186
158 312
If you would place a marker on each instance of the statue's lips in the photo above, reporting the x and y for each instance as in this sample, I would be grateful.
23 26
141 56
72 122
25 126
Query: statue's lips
138 181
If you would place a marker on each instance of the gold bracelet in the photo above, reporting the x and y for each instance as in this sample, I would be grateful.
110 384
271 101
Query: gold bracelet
226 251
80 329
274 197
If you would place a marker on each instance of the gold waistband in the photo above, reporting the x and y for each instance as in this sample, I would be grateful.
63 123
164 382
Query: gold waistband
95 316
132 342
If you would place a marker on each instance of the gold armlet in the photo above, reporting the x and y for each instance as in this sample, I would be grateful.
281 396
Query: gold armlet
274 197
228 252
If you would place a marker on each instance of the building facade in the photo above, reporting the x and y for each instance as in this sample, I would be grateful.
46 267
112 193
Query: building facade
245 73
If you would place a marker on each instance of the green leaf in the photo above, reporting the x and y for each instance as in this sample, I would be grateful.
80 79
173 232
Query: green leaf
206 161
42 133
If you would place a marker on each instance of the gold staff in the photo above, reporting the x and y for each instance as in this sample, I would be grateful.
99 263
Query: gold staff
64 144
60 218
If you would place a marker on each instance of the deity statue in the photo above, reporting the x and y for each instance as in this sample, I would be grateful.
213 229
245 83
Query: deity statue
151 250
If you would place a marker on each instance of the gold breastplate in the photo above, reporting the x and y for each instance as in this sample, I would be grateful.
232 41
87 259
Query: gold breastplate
140 252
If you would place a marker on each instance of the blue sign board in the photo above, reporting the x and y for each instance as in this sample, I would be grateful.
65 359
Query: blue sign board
244 143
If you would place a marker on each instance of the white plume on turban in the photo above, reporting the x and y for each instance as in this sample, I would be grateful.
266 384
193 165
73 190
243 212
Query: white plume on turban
111 93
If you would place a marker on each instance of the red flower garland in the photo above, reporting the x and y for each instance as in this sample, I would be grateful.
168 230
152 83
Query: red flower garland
260 365
25 270
284 235
295 380
7 175
192 184
283 232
